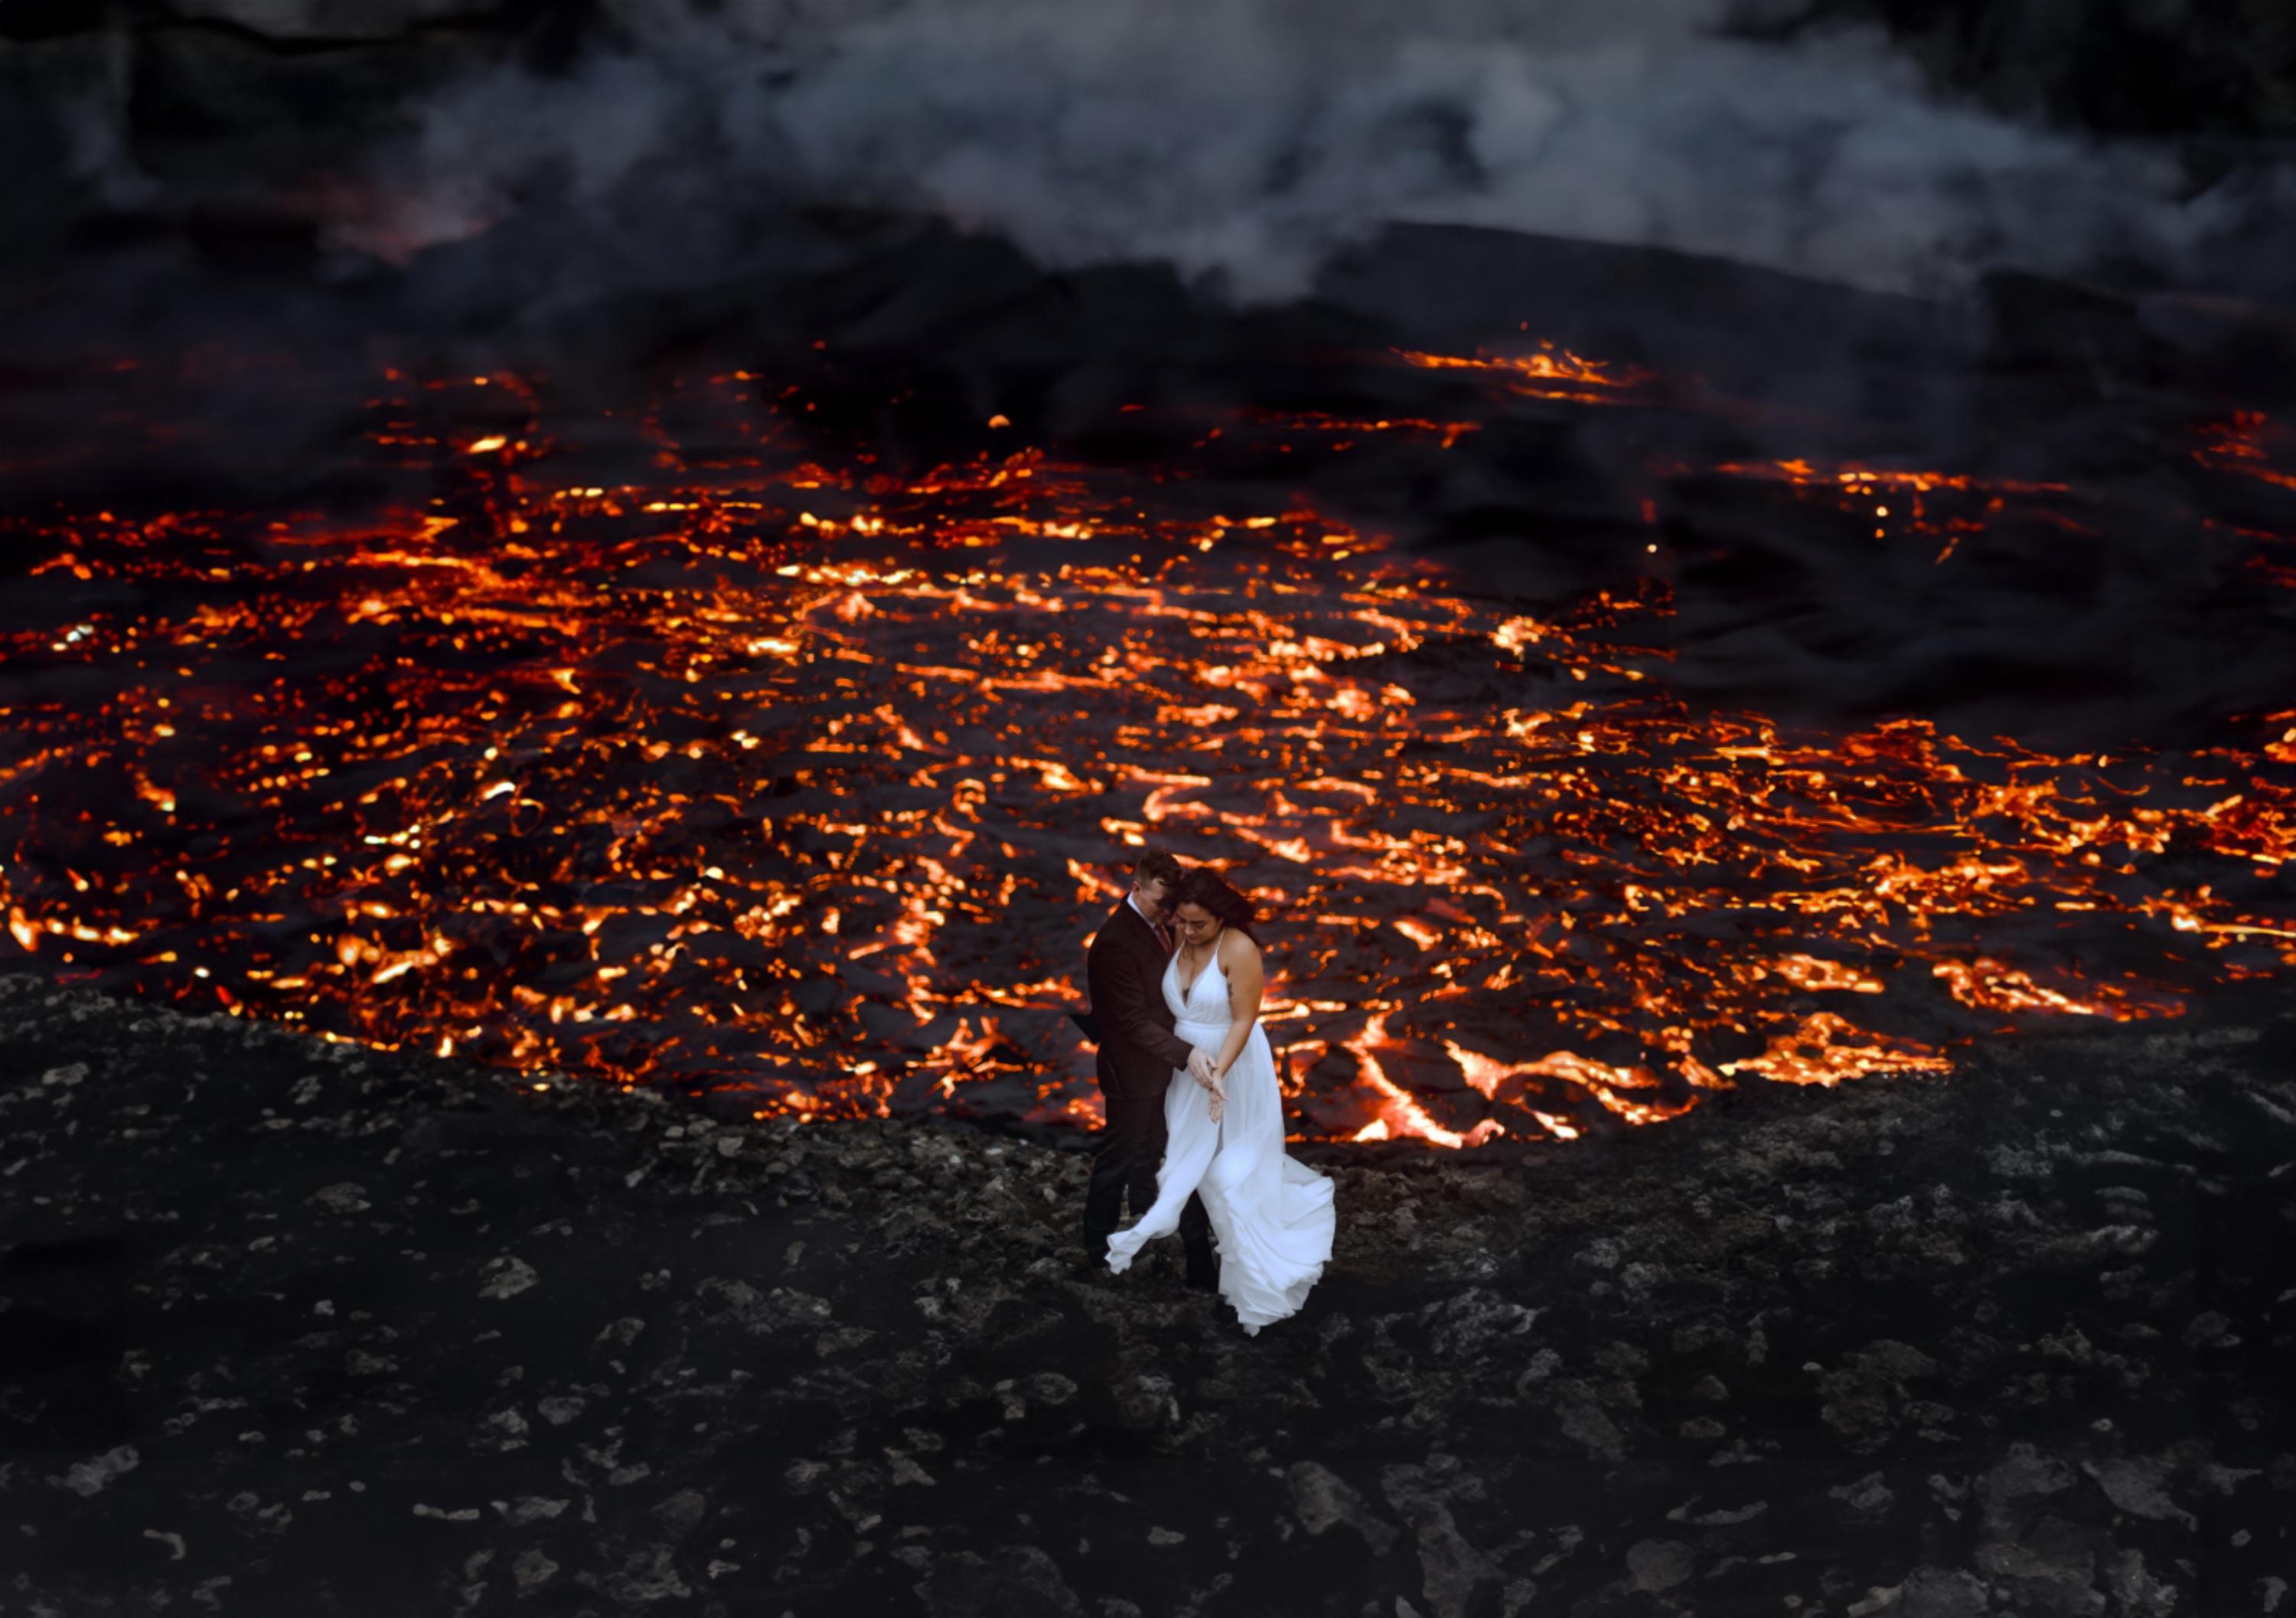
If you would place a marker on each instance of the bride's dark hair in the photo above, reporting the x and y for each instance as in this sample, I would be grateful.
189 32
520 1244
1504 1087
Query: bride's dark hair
1202 885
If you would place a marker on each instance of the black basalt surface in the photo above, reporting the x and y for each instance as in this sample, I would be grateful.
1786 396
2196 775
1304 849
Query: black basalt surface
295 1327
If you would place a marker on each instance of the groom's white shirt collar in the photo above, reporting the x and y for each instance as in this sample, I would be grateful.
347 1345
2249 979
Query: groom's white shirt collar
1133 898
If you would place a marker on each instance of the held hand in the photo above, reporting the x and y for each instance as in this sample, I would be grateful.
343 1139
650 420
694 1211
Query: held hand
1219 1098
1200 1066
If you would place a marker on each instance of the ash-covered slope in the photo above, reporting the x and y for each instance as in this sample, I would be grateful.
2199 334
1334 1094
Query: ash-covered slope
288 1326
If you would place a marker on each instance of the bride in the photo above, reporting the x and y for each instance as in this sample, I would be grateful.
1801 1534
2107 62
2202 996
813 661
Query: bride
1271 1216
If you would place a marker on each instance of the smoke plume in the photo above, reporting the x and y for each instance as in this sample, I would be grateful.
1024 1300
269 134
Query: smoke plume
1246 141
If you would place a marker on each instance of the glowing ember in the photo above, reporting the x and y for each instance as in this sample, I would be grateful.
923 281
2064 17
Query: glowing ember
813 782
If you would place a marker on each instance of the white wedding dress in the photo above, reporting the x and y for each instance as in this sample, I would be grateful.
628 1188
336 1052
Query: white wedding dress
1272 1217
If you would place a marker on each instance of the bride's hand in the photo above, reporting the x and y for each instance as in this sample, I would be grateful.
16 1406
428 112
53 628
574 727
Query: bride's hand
1219 1088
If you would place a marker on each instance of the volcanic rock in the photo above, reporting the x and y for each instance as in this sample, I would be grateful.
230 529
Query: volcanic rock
447 1342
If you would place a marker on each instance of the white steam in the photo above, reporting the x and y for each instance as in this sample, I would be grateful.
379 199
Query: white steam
1250 139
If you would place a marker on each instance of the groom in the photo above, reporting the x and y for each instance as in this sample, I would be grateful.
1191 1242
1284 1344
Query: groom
1124 972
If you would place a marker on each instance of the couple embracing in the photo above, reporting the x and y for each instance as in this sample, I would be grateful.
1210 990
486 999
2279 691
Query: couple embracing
1188 1081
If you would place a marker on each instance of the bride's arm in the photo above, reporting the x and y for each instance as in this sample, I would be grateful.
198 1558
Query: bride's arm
1246 982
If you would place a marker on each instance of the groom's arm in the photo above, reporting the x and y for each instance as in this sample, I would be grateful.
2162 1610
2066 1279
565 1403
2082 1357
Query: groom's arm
1121 1001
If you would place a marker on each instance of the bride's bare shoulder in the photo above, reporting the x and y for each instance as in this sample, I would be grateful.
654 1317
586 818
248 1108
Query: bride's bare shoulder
1236 947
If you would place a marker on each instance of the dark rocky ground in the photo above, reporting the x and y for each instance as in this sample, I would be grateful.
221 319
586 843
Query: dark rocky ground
298 1329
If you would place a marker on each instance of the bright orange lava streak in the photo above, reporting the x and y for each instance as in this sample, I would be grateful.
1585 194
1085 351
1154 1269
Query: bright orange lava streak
776 776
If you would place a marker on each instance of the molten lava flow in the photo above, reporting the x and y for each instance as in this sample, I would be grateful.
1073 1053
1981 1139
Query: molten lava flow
812 783
2247 445
1547 371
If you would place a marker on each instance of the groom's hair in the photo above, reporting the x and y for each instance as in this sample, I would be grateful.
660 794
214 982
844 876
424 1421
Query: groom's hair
1157 866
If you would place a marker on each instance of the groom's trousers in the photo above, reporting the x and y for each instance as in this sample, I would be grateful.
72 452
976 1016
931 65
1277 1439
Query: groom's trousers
1131 1150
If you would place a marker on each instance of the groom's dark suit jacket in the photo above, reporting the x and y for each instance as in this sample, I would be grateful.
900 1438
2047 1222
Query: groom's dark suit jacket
1124 972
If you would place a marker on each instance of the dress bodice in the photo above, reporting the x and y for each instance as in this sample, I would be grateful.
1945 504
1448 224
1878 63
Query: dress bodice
1197 1005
